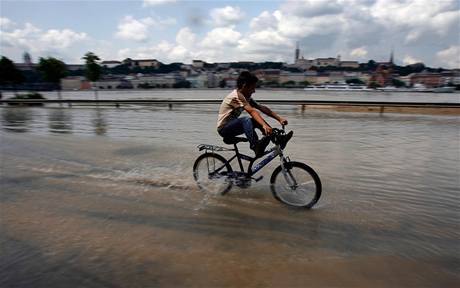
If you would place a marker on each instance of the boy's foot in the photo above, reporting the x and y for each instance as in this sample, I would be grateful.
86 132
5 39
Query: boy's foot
261 145
286 139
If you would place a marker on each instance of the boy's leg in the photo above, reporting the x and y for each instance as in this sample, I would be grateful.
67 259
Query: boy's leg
250 132
239 126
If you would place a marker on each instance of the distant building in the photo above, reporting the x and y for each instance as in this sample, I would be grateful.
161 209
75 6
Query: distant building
324 62
286 76
382 76
213 80
451 77
302 63
157 80
426 78
75 67
200 81
110 64
336 77
142 63
75 83
349 64
322 78
223 65
268 75
297 53
27 58
26 66
198 64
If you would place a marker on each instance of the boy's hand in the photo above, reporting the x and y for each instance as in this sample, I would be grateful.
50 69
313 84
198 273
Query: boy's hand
283 121
267 129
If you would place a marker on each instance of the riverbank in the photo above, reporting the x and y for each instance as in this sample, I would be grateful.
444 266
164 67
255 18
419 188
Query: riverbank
386 109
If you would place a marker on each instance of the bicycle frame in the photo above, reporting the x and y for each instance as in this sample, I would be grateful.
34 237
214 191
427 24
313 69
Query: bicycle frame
252 169
266 158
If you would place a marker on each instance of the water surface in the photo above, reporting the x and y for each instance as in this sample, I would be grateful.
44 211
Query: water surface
104 197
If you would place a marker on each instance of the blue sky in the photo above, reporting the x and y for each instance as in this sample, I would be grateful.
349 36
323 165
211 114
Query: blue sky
220 31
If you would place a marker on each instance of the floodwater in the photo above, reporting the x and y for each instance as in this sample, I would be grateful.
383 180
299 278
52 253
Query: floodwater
104 197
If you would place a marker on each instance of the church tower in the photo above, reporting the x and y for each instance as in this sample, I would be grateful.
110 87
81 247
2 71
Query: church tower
297 52
27 58
391 57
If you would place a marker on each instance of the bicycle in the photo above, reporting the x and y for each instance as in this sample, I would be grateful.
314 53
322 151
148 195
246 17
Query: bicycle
292 183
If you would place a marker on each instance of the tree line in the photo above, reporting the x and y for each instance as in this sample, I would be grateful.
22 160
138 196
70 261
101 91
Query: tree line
50 70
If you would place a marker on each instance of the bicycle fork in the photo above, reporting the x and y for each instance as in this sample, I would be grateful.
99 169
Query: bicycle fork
290 180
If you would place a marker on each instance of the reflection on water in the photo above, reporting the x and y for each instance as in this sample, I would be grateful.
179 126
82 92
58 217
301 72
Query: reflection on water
99 122
60 121
16 119
55 120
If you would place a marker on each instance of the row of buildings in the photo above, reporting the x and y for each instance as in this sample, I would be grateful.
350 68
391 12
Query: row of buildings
200 74
201 78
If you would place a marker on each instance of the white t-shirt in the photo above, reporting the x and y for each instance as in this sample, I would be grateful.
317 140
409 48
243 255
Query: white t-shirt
232 106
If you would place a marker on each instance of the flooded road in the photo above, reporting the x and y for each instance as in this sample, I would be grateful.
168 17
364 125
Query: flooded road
105 198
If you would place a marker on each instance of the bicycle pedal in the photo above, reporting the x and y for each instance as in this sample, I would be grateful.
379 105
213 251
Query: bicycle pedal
258 178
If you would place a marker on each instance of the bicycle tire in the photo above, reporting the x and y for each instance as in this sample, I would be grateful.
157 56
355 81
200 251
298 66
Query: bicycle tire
226 185
284 197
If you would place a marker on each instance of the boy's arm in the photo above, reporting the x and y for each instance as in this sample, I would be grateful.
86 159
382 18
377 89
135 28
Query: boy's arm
256 115
272 114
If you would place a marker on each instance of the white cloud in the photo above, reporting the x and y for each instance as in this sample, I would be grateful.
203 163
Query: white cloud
221 37
299 27
61 39
164 51
227 16
6 24
138 29
263 21
31 38
408 59
133 29
419 30
186 38
358 29
359 52
450 56
313 8
148 3
417 18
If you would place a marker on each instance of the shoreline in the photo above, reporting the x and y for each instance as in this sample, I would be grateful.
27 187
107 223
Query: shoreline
230 88
386 109
448 111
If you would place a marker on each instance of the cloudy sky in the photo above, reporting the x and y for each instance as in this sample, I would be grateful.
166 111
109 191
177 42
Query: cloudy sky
220 31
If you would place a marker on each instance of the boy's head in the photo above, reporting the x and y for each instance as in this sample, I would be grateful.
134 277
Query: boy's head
246 83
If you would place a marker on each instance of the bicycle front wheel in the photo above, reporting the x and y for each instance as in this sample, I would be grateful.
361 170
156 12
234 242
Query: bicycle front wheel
298 185
212 173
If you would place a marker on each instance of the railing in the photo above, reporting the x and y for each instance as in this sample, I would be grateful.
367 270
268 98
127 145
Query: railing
170 102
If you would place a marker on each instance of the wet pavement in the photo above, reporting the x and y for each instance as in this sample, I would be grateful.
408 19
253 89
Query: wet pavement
89 211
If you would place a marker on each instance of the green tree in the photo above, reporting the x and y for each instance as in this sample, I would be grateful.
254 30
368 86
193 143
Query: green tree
398 83
374 85
371 65
288 84
53 70
9 74
355 81
92 69
182 84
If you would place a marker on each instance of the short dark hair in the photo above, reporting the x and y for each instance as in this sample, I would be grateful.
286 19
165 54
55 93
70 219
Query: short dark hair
246 77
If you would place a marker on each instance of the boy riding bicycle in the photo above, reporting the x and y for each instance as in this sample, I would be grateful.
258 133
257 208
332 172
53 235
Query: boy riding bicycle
229 124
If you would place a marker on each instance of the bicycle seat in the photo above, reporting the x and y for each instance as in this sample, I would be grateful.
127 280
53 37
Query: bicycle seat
234 140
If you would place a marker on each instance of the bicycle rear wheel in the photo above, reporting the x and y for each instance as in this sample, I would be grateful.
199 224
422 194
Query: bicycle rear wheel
212 173
298 185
